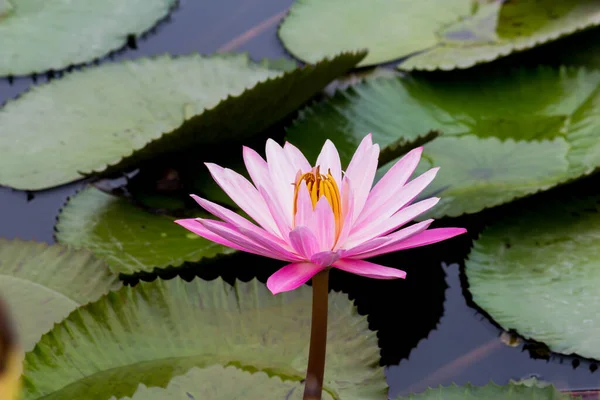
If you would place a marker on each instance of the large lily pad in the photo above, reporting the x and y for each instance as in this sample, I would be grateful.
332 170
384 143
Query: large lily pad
505 134
43 283
444 34
129 238
538 272
155 331
512 391
118 115
53 34
215 383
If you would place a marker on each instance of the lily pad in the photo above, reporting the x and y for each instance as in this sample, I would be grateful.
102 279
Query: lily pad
127 237
537 272
155 331
53 34
491 391
214 383
118 115
505 134
43 283
433 34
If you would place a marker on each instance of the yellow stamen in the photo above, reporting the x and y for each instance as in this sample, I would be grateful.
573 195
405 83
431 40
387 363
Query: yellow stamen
319 185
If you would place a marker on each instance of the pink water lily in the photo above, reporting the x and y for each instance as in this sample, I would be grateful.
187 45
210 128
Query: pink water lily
321 217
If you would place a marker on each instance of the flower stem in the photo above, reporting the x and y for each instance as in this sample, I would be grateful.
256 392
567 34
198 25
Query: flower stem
313 386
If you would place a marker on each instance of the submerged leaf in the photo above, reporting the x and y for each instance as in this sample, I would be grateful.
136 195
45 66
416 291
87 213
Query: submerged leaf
433 34
538 272
491 391
119 115
215 383
505 134
52 34
155 331
43 283
129 238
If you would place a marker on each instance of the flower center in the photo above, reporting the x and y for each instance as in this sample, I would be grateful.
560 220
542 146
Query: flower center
319 185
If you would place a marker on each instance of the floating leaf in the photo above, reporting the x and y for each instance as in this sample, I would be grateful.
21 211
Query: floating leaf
445 34
118 115
537 272
53 34
155 331
215 383
505 134
43 283
491 391
129 238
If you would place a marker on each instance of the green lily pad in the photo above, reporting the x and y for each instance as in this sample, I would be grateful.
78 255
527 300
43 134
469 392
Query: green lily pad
119 115
433 34
505 134
127 237
537 272
155 331
43 283
491 391
214 383
53 34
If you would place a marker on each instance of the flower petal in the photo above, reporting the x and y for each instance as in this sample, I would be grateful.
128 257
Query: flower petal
292 276
368 269
193 225
234 219
325 258
347 196
229 233
257 167
278 215
395 178
329 160
296 157
386 241
361 171
304 241
304 208
390 224
282 174
244 194
322 224
424 238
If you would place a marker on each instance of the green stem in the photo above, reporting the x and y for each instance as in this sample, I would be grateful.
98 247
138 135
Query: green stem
313 386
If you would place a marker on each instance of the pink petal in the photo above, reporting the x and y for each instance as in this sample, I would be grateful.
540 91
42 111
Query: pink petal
192 225
325 258
390 224
329 159
244 194
229 233
292 276
296 157
369 269
256 166
304 207
304 241
234 219
386 241
395 178
278 215
283 176
347 196
361 172
403 196
420 239
322 224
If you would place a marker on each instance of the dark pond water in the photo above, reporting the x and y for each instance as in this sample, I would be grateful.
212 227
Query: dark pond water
426 317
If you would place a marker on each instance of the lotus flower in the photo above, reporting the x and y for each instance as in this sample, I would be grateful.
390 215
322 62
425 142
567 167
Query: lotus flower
321 217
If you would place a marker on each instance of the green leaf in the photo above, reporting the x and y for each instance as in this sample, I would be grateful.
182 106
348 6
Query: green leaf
52 34
43 283
129 239
537 271
505 134
215 383
119 115
491 391
437 34
155 331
